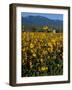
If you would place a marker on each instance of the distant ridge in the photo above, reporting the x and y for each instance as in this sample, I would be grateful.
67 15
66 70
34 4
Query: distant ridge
38 21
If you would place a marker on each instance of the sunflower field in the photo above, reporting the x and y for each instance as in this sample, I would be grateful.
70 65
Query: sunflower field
42 54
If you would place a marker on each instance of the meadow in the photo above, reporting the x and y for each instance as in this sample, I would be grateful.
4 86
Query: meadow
42 54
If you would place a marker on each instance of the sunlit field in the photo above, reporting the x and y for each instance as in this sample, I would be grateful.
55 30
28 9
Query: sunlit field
42 54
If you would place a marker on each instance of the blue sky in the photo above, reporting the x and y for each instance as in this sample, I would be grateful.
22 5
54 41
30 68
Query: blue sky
50 16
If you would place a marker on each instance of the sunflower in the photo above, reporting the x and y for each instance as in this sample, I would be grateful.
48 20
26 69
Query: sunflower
31 45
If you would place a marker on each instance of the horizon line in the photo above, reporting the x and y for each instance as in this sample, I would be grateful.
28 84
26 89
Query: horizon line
41 16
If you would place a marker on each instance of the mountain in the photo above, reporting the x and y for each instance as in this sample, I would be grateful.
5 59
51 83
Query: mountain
39 21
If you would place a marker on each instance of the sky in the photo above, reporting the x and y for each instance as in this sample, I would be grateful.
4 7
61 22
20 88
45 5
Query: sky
50 16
